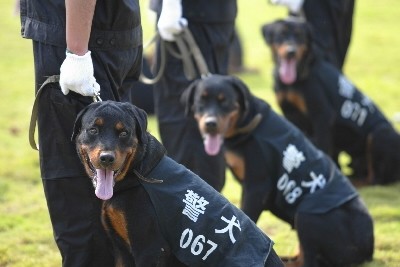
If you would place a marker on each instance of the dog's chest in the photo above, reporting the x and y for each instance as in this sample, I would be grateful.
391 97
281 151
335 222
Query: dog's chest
236 163
292 97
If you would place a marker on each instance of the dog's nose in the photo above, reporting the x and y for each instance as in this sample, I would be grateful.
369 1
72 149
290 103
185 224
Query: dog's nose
291 52
107 158
211 125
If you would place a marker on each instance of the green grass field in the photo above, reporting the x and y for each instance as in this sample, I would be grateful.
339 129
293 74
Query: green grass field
25 231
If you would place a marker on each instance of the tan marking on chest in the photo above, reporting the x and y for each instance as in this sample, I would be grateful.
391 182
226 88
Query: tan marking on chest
294 98
118 221
236 163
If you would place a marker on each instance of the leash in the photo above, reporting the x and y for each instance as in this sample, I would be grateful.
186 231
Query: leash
188 51
35 107
34 115
187 38
157 77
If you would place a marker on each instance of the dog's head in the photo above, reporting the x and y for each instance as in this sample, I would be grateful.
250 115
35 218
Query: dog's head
108 136
217 102
290 43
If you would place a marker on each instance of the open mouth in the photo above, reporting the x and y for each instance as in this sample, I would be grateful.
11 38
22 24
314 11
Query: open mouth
287 70
103 180
212 143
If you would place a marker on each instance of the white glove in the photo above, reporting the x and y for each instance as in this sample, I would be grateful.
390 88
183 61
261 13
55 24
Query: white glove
294 6
76 74
171 21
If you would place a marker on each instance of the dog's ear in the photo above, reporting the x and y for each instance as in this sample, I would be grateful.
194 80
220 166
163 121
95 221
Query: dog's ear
243 93
310 32
140 117
78 120
267 31
187 97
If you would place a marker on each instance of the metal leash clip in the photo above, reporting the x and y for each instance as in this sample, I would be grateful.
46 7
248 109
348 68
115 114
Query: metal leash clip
96 97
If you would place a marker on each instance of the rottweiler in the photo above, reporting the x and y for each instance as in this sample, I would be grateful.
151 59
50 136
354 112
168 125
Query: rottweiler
316 96
155 211
280 170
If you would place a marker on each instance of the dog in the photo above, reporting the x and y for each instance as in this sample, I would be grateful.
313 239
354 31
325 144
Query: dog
155 211
280 170
315 96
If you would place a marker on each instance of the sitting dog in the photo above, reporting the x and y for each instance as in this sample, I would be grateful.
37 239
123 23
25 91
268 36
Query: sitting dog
280 170
316 97
156 212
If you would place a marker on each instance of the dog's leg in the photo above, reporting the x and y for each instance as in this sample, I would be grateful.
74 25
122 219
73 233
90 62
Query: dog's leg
294 261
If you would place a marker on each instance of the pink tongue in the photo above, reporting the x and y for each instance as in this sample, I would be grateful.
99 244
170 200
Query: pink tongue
104 185
212 144
287 71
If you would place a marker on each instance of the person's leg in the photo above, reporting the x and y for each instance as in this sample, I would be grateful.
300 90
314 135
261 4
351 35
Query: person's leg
75 215
332 24
341 18
139 93
73 208
179 132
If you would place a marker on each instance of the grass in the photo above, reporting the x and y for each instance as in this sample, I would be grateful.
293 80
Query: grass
25 231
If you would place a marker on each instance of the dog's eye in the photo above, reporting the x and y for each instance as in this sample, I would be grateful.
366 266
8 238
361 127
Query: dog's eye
123 134
199 108
92 131
279 38
300 37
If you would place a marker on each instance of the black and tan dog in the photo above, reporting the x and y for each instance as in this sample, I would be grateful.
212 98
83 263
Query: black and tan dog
156 212
281 171
334 114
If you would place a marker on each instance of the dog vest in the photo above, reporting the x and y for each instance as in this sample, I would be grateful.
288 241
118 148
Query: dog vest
200 225
327 91
288 173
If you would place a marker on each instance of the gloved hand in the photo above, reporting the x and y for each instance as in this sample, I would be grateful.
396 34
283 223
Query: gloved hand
294 6
76 74
171 21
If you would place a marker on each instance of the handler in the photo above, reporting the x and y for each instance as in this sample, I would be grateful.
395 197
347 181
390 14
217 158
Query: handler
97 46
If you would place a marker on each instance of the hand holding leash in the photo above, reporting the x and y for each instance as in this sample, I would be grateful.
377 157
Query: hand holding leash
76 74
171 21
294 6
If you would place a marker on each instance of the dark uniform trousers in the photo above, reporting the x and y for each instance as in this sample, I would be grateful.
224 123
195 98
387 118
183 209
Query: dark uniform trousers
332 21
179 133
73 207
116 46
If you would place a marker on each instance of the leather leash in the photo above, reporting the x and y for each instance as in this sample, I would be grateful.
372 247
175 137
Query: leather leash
35 107
187 51
34 114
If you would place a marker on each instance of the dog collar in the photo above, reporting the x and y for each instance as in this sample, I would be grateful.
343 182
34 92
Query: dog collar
250 126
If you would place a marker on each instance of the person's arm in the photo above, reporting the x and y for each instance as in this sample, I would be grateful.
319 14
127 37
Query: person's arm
76 72
79 16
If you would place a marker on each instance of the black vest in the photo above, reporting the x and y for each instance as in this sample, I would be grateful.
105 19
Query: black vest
116 24
289 172
200 225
